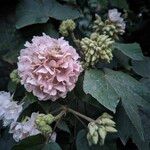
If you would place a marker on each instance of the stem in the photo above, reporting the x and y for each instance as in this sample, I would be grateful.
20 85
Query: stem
60 115
80 115
76 41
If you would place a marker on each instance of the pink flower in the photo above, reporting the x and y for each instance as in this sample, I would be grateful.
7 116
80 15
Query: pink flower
48 67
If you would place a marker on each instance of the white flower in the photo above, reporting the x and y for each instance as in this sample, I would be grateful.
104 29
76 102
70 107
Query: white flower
115 17
5 98
25 129
12 112
9 110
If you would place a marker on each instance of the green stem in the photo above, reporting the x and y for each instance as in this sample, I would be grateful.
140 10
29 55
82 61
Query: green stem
80 115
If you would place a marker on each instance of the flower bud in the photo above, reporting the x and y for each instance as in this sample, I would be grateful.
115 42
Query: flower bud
110 129
92 128
107 121
95 137
66 27
102 133
14 76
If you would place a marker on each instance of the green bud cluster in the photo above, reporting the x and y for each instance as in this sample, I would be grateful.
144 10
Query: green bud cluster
99 129
67 27
96 48
108 28
43 123
14 76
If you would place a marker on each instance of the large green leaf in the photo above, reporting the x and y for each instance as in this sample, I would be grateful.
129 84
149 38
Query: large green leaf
127 130
110 86
132 50
38 11
142 67
96 84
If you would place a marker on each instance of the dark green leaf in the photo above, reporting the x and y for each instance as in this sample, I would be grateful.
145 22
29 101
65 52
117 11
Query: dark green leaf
103 4
31 143
142 67
6 140
63 126
120 4
127 130
11 41
51 146
97 85
12 86
133 50
110 85
38 11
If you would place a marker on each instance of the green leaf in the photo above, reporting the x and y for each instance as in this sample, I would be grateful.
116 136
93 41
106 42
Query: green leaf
6 140
142 67
96 84
12 86
11 41
63 126
133 50
120 4
127 130
110 85
31 143
38 11
103 3
51 146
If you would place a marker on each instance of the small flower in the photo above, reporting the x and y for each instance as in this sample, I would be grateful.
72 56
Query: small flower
12 112
9 109
48 67
115 16
5 99
25 129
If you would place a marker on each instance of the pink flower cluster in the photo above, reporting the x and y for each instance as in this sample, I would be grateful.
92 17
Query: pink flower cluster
48 67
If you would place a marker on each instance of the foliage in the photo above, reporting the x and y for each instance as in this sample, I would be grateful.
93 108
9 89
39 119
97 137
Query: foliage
121 88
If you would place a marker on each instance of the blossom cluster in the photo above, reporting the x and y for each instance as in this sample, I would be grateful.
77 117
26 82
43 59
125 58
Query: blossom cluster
9 109
24 129
9 113
48 67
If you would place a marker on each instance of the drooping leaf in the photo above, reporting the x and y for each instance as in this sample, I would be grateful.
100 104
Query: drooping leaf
36 142
132 50
38 11
120 4
142 67
127 130
110 85
51 146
